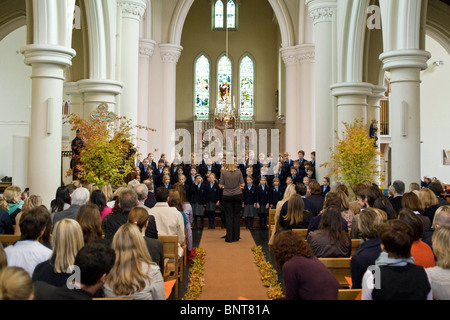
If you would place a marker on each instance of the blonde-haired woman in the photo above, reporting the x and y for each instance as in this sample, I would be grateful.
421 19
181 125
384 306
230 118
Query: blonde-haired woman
15 284
440 274
296 217
288 193
430 202
232 182
67 240
29 203
134 273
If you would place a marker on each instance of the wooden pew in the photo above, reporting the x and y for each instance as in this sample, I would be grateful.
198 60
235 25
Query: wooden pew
8 239
355 245
301 232
340 268
348 294
173 265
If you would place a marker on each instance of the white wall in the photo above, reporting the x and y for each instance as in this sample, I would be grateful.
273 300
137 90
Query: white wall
15 102
435 113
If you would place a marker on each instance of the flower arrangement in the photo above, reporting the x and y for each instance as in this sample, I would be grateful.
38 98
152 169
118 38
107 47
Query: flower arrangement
269 275
196 281
108 150
354 158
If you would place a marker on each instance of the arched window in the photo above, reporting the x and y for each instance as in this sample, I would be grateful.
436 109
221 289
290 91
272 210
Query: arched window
202 79
224 14
246 83
224 78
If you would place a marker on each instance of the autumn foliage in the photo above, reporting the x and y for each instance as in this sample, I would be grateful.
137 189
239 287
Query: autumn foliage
108 153
354 158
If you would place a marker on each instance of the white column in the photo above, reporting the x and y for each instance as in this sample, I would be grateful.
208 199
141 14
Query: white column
132 11
373 113
306 112
48 63
96 92
351 103
290 58
405 66
170 53
322 13
146 48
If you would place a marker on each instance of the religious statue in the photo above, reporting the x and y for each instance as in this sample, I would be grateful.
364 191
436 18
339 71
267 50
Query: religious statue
373 132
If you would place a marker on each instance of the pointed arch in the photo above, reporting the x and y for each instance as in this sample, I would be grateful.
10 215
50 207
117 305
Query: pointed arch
247 87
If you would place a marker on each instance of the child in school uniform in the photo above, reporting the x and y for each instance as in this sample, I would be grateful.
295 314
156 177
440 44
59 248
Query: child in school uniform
276 193
250 202
166 182
263 205
212 195
198 200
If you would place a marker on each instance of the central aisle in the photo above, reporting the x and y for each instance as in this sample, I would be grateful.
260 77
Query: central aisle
230 271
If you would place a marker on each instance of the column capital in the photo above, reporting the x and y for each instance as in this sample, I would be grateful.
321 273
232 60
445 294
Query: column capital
133 9
405 58
352 89
303 53
48 54
170 52
100 86
321 10
146 47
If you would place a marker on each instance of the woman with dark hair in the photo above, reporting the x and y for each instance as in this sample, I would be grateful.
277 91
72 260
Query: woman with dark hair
61 201
410 200
420 251
305 277
330 240
99 199
88 217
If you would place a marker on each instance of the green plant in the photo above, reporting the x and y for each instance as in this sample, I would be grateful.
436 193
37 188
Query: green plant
354 158
108 153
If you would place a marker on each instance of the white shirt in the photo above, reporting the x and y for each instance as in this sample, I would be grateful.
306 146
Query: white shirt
27 254
169 221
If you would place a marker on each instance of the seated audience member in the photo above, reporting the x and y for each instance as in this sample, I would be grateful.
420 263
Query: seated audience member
398 189
441 218
6 225
67 240
62 200
169 220
436 187
305 277
99 199
15 284
369 224
139 216
108 192
314 202
3 261
440 274
31 202
384 204
142 193
430 203
150 201
325 186
356 205
411 201
330 240
420 251
80 196
94 261
296 217
187 209
331 199
91 224
127 200
28 252
13 197
397 277
134 274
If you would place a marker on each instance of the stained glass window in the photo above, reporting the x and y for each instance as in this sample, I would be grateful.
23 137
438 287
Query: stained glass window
218 14
231 14
224 11
224 82
246 80
202 88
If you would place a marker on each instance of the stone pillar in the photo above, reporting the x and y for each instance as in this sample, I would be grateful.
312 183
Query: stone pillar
322 12
48 63
132 12
96 92
290 58
405 67
146 48
170 53
373 113
351 103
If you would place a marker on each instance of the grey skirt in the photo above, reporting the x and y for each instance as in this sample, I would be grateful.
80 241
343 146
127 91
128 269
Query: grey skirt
249 211
211 206
197 209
